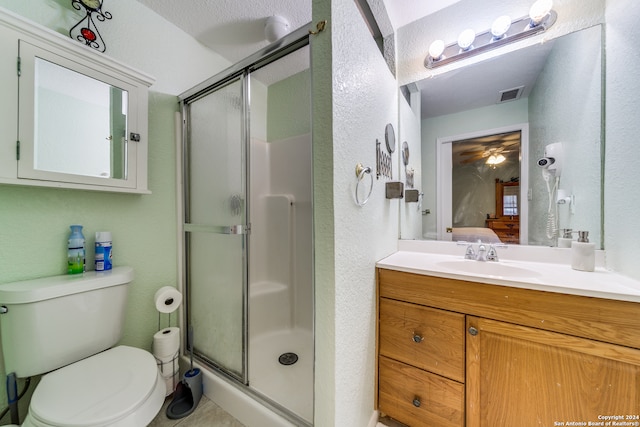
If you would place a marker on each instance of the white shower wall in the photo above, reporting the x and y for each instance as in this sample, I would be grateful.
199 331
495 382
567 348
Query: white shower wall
280 261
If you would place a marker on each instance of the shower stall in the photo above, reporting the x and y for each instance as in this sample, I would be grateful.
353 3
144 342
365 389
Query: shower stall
247 227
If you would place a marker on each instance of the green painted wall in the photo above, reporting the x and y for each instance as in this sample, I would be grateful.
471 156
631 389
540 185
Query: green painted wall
288 107
34 222
35 226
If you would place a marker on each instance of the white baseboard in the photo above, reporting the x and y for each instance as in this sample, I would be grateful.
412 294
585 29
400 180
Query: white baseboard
373 421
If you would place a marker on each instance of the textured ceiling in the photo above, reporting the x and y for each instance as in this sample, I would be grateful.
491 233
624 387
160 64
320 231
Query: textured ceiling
235 28
232 28
403 12
478 85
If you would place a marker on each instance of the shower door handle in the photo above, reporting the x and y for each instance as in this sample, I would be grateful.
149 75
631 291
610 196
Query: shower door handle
219 229
238 229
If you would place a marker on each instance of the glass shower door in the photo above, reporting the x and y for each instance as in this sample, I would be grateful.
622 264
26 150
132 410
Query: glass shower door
215 226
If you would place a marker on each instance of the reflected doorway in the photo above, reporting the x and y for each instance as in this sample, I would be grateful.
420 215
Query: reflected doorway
482 186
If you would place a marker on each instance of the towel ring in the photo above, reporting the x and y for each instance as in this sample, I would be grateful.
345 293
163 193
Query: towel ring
361 171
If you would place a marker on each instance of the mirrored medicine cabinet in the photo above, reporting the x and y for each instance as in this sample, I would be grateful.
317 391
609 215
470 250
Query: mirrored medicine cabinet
81 116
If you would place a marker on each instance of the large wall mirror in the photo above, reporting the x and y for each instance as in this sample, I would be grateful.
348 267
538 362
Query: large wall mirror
473 122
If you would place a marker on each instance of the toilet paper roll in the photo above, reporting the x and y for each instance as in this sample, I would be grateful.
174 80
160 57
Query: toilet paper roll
170 383
166 343
168 368
168 299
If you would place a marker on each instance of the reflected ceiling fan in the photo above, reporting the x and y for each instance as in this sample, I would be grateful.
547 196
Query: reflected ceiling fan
493 149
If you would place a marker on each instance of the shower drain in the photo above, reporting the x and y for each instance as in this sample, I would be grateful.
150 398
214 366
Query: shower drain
288 358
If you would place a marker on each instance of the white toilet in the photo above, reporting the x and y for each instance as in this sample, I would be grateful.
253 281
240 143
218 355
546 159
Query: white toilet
67 326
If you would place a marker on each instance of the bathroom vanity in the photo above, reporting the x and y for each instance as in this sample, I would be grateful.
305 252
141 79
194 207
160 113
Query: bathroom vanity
456 349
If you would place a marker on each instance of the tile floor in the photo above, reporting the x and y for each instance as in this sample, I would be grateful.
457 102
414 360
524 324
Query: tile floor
207 414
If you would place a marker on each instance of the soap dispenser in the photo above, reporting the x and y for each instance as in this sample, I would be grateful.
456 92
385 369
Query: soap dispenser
566 239
583 253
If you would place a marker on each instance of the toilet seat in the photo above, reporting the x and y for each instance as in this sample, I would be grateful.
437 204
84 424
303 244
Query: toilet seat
102 390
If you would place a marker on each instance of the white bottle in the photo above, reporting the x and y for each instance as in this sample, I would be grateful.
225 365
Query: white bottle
583 253
566 239
104 252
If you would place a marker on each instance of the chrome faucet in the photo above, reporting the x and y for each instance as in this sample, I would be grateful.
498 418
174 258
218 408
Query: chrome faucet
470 253
492 253
482 253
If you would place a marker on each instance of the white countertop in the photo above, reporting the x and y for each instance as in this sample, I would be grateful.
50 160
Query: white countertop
549 267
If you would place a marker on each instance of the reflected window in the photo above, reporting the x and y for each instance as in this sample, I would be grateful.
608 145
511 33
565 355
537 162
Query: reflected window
510 205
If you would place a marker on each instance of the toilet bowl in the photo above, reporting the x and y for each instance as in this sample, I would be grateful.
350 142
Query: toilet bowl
120 387
88 381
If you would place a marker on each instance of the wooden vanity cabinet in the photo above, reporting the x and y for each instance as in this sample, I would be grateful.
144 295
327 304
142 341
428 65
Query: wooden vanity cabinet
421 363
529 357
526 376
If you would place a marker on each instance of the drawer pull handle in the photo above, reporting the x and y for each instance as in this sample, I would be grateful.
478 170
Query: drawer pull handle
416 402
417 338
473 331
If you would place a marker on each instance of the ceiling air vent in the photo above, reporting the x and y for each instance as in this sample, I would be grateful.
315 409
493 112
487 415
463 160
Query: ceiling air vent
510 94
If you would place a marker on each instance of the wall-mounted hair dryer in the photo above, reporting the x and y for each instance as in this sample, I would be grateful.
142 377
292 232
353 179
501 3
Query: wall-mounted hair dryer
552 160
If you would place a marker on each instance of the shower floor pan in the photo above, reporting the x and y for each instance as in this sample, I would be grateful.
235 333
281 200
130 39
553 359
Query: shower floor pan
290 385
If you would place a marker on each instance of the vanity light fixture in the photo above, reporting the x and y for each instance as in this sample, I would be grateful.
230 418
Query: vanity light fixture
539 11
465 39
436 49
500 27
503 31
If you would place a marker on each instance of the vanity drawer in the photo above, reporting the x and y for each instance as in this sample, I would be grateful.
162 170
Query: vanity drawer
418 398
424 337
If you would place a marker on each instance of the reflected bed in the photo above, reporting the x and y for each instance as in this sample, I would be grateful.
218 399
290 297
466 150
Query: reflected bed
473 234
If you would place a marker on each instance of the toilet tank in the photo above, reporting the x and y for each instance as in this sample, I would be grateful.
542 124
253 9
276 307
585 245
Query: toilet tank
51 322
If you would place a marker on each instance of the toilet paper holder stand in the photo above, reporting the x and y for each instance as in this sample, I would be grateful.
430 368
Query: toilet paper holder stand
160 318
173 371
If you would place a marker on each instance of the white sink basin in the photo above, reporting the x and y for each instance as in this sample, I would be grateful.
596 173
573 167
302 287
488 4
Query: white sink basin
488 268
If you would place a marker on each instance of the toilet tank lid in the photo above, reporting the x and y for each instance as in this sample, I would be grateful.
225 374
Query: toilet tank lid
44 288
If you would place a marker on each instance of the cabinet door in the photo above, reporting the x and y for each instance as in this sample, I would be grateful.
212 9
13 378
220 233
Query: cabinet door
73 121
523 376
8 110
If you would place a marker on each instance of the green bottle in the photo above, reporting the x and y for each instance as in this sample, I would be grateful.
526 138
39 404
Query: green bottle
76 251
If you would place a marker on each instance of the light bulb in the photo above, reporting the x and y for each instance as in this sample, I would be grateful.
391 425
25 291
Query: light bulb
436 49
466 38
500 27
539 10
493 160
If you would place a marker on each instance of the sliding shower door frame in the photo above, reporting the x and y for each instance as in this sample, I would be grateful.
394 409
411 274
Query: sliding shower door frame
242 70
242 229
